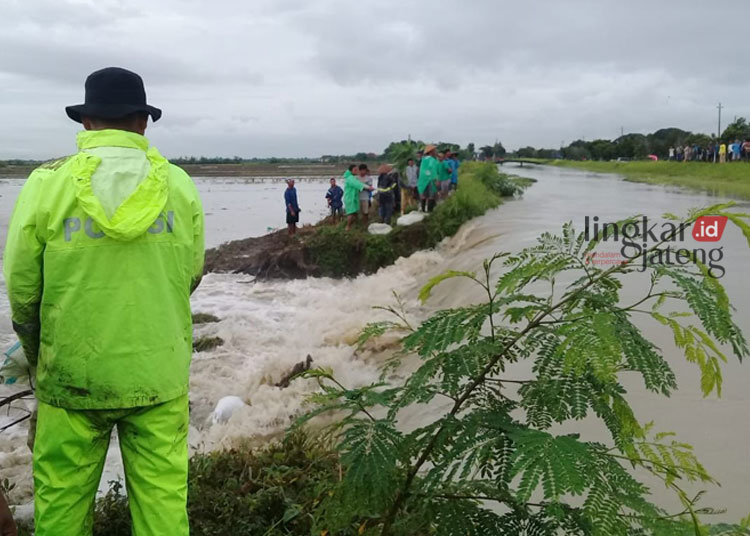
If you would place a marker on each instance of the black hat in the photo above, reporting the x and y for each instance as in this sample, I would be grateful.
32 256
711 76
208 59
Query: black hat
112 93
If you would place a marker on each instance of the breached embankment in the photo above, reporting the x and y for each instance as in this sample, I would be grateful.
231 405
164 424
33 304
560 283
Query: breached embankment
272 256
317 251
327 250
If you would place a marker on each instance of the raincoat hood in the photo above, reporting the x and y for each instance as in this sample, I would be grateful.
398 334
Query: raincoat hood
139 211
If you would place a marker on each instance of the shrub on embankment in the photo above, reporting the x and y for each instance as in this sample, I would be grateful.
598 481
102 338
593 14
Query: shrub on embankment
339 253
277 490
270 491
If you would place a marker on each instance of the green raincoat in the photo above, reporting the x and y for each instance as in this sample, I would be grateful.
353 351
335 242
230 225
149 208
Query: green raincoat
115 212
352 187
429 173
444 171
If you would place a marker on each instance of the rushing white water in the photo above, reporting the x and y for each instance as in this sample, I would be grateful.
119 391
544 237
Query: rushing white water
270 326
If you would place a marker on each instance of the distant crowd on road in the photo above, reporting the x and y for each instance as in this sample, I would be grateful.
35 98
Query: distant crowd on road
426 180
718 152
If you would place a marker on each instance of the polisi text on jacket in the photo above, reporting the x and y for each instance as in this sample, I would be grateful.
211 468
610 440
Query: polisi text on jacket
164 223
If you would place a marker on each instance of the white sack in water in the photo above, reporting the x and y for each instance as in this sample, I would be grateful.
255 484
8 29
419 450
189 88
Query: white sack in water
410 218
379 228
227 407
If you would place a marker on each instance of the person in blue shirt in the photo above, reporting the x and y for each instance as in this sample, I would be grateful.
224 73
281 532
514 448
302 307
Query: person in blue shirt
736 151
292 208
453 163
335 198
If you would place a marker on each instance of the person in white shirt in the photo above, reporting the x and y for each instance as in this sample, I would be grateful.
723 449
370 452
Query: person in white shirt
409 193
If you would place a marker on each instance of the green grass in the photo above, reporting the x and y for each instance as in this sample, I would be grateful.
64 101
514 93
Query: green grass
341 253
730 179
267 491
276 490
481 190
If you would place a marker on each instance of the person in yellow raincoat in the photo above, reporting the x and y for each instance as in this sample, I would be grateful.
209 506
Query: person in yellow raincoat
103 251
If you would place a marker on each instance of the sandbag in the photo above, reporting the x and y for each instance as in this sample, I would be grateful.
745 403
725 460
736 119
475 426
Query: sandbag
225 408
379 228
411 218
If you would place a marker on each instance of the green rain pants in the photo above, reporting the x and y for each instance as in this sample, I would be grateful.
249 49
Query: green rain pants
69 454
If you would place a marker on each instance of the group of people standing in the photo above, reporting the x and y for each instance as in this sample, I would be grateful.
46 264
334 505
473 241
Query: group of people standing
427 179
717 152
437 175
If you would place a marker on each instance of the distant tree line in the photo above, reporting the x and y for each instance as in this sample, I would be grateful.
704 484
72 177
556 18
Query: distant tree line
639 146
632 146
20 162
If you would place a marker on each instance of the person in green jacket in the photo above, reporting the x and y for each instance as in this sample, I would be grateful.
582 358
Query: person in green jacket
444 175
352 188
429 174
104 249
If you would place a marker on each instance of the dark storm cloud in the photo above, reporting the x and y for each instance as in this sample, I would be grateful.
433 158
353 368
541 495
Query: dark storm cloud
56 64
393 38
296 77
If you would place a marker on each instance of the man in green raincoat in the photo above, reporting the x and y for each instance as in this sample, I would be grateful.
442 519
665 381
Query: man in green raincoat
104 249
352 187
429 174
444 175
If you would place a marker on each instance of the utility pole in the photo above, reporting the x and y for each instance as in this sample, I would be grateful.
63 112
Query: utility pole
718 134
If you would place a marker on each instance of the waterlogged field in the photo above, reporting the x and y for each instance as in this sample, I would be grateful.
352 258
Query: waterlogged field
246 170
268 327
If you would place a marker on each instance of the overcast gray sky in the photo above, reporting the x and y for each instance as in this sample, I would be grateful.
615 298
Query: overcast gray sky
312 77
